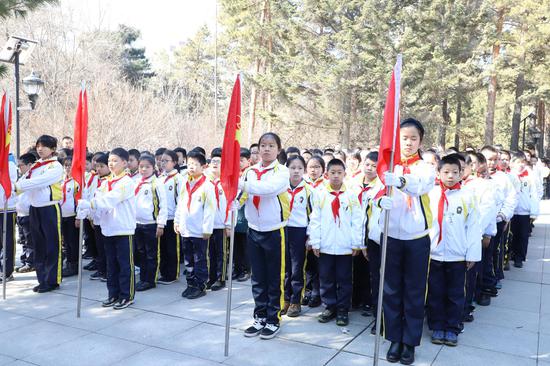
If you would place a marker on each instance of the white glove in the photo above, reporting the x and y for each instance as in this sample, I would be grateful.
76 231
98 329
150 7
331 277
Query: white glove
84 205
386 202
392 180
82 213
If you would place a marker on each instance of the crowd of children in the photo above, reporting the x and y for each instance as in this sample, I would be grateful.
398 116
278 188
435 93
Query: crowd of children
309 228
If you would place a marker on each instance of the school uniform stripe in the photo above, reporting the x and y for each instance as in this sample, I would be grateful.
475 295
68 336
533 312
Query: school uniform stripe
132 269
60 245
282 273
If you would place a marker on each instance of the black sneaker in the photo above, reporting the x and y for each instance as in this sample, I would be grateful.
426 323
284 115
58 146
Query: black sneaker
493 292
69 271
305 300
342 318
36 288
468 318
165 281
195 293
144 286
24 269
483 300
186 291
518 264
218 285
235 275
209 284
96 276
367 310
8 279
256 328
243 277
47 288
269 331
326 316
90 266
123 304
110 302
314 302
103 279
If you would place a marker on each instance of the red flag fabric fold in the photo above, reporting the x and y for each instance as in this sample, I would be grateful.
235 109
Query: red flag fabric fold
5 139
231 150
78 167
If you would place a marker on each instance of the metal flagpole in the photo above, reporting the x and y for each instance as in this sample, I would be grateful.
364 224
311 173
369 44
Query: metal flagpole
230 287
80 239
387 216
4 246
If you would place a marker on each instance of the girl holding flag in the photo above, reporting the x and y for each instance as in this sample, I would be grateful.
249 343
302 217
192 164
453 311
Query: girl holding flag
267 208
408 245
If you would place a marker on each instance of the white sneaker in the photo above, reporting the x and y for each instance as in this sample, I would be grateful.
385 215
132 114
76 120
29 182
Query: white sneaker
269 331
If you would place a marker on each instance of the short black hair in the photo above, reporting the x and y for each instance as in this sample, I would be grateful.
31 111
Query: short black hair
489 148
307 152
253 146
292 150
356 155
411 122
160 151
481 158
47 141
121 153
272 135
135 153
102 158
506 152
317 152
282 157
27 158
67 138
457 156
519 155
148 158
198 149
245 153
467 158
89 156
296 157
318 159
336 162
340 152
66 159
216 153
372 156
181 150
328 150
196 155
448 160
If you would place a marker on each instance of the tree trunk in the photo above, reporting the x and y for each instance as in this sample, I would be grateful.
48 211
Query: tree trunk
516 118
442 128
458 120
492 91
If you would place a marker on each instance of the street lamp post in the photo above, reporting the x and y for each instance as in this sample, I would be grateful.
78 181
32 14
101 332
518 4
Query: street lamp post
16 51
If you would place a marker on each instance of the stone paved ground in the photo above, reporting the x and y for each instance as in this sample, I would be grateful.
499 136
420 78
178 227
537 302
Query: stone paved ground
162 328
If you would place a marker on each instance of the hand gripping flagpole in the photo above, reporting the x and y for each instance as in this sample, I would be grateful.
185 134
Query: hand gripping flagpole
80 235
387 213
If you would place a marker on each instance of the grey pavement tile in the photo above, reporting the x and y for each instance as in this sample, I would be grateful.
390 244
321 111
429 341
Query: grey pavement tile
522 275
207 341
545 299
95 317
544 323
507 318
354 359
514 294
308 330
42 306
269 352
36 337
544 348
546 278
494 338
364 345
93 350
9 321
160 357
241 317
4 360
92 290
149 328
467 356
354 315
20 363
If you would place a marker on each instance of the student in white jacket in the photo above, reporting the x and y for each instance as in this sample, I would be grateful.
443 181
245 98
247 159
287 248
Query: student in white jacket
456 246
115 210
43 183
526 208
23 206
68 226
194 221
335 235
151 215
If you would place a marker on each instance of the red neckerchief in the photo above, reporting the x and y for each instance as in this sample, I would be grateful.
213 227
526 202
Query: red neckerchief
470 179
259 174
336 204
113 181
141 182
437 181
293 193
407 162
131 175
64 189
38 165
91 179
356 174
217 191
365 189
317 183
523 174
441 207
190 190
170 176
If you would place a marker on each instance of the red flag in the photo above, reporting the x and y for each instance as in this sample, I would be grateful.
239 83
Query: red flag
389 137
231 150
78 167
5 139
